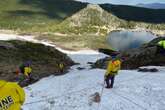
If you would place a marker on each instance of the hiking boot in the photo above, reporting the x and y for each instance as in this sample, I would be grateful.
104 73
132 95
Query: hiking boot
110 86
107 87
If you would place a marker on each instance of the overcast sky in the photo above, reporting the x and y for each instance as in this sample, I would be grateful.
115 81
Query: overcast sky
129 2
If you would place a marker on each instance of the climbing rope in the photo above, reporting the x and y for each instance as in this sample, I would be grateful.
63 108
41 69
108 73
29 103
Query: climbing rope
92 87
99 104
129 100
62 95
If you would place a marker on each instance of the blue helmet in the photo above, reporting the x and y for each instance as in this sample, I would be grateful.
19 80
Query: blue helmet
113 57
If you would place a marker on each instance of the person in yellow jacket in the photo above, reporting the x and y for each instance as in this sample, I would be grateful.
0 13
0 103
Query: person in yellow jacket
161 47
61 66
25 70
12 96
162 43
112 70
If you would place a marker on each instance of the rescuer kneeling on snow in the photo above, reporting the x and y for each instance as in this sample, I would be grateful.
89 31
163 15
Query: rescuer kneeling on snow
112 70
12 96
61 66
26 70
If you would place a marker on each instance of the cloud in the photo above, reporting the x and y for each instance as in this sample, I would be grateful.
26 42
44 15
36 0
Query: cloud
124 40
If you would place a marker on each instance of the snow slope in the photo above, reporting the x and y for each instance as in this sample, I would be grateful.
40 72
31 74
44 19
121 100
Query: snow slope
132 90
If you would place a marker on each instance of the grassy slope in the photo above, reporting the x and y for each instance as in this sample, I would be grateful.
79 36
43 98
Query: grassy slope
45 16
132 13
75 42
36 15
137 16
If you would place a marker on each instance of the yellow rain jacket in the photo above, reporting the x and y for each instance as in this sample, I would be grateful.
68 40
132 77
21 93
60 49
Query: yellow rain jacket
162 43
113 67
12 96
61 66
27 71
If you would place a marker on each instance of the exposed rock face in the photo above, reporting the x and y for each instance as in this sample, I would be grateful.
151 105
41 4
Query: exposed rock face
45 59
92 19
144 56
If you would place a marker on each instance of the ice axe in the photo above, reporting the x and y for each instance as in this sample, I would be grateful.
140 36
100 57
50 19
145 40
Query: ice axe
102 90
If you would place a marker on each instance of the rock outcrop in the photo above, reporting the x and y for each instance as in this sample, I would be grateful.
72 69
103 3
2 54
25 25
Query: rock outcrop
45 59
145 55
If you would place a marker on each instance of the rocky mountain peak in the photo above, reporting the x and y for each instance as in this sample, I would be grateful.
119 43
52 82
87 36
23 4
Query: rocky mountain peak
93 17
95 7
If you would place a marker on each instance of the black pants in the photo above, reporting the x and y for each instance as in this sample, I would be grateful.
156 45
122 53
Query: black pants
160 50
112 78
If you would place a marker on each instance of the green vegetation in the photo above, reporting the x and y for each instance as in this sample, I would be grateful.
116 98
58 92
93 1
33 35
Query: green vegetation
137 14
79 21
36 15
77 41
54 16
23 51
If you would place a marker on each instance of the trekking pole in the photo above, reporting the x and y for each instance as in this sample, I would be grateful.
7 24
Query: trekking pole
101 95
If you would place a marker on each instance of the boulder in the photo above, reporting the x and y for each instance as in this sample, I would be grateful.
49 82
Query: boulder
108 52
101 63
148 70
